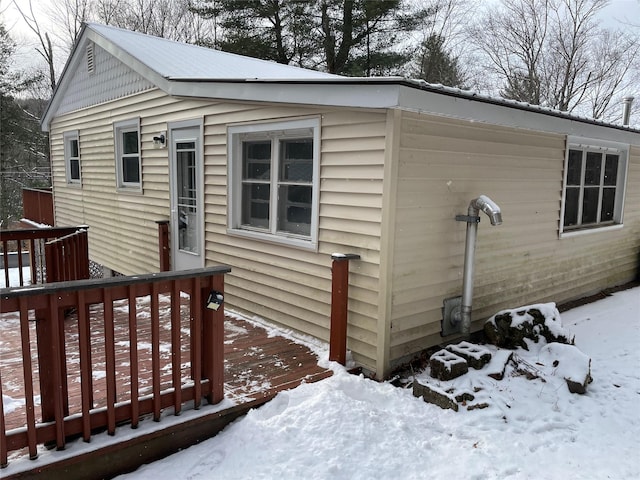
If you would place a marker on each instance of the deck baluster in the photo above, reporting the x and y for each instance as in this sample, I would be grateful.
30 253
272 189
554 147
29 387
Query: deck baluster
133 356
86 378
176 350
27 370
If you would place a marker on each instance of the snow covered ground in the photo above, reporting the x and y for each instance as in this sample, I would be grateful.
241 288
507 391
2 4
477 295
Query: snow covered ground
14 277
348 427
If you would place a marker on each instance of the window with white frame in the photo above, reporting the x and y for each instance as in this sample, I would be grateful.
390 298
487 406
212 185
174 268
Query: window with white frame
128 165
274 170
594 185
72 157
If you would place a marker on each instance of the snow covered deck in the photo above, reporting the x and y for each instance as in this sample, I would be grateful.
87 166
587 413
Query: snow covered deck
257 365
257 362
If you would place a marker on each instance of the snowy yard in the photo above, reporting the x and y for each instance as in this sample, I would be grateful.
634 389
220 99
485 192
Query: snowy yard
14 277
348 427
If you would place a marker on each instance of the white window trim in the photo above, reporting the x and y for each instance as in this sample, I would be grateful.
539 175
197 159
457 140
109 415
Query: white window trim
68 137
580 143
118 129
234 170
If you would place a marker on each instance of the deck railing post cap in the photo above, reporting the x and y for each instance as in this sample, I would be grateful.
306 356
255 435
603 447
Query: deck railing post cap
345 256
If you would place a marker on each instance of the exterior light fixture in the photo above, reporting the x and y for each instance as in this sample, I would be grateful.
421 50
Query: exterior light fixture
214 300
160 140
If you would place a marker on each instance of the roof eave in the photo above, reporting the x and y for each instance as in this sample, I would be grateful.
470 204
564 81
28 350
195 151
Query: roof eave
381 92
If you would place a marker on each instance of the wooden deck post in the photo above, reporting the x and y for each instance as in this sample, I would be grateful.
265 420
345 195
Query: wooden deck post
339 304
83 271
213 341
163 245
51 362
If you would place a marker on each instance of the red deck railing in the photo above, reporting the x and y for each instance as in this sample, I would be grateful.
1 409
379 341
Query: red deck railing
67 258
37 206
68 251
192 379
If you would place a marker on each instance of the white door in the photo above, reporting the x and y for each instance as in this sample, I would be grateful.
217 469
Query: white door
187 212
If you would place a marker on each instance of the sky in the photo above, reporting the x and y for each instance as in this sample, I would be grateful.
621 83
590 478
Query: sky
617 14
349 427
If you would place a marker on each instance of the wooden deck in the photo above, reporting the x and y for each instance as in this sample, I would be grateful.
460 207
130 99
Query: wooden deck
257 364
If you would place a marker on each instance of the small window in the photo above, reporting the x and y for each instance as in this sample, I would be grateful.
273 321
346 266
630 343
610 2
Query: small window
274 171
595 177
128 165
72 157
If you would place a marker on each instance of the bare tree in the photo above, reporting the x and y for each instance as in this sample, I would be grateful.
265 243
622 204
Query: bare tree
514 39
554 53
172 19
46 47
69 15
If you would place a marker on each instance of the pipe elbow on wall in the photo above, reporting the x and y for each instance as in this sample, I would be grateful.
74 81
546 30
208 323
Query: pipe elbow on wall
489 207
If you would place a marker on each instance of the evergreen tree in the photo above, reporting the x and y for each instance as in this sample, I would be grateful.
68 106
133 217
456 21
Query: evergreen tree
349 37
435 65
23 158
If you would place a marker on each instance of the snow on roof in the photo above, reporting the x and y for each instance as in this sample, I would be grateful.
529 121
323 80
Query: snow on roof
175 60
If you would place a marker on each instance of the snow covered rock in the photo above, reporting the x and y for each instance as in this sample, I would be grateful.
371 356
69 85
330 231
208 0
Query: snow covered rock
510 328
498 364
568 362
475 355
446 365
435 395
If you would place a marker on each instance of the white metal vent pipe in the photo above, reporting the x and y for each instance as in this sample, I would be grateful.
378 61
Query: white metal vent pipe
626 110
489 207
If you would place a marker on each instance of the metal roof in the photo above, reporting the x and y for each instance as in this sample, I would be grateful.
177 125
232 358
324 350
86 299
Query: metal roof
175 60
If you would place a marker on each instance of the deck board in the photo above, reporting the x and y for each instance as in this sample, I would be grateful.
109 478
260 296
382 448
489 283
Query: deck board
257 364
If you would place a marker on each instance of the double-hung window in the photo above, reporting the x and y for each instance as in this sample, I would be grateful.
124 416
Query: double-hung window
274 170
594 185
72 157
128 165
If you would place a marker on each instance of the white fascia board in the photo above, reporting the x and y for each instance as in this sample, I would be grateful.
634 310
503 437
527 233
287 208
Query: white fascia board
329 93
494 113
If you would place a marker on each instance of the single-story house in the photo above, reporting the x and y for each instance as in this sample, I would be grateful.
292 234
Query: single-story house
271 169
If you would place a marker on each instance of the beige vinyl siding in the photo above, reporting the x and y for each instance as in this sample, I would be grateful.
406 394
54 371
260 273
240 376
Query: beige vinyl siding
123 233
443 165
285 285
292 287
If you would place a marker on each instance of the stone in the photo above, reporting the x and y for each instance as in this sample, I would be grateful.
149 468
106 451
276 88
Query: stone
568 362
464 397
434 395
478 406
577 387
510 328
446 365
475 355
498 364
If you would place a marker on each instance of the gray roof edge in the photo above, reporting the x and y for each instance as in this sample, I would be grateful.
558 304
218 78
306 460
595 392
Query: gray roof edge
418 85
